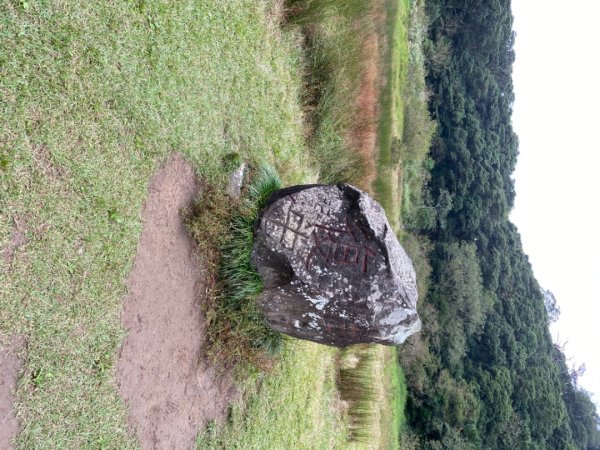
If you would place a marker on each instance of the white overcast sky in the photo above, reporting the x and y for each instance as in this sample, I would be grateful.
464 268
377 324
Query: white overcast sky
557 209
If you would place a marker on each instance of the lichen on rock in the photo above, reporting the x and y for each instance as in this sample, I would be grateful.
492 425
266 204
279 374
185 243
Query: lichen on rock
333 270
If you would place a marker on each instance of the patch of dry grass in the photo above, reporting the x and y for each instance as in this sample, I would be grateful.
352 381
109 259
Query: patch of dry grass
342 84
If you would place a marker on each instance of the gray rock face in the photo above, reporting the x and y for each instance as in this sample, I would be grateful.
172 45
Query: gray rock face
333 270
236 181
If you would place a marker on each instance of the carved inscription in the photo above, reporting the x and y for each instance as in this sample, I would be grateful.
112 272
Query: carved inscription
287 231
324 207
326 243
338 245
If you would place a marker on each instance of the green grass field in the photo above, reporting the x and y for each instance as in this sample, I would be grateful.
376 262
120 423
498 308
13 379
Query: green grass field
93 97
334 34
296 407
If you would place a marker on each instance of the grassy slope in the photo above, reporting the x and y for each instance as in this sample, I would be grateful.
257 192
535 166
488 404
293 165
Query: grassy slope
295 407
332 41
397 388
388 184
333 60
92 99
372 383
391 119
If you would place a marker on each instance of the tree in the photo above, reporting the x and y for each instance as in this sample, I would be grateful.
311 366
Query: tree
489 351
551 305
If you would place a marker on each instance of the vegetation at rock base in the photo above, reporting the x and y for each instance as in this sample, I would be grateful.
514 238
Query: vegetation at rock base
224 228
484 373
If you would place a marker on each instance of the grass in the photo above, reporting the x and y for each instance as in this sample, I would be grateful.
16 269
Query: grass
391 118
224 230
93 97
359 367
294 406
405 127
418 129
335 33
311 12
372 384
398 393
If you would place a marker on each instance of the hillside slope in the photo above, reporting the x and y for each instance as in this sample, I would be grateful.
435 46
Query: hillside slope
488 374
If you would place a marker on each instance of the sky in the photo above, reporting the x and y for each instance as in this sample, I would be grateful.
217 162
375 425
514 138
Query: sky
556 115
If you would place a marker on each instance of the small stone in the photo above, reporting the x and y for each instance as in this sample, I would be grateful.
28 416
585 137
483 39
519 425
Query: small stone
236 181
332 268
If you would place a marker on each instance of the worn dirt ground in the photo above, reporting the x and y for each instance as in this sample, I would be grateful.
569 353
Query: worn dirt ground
169 387
18 239
10 366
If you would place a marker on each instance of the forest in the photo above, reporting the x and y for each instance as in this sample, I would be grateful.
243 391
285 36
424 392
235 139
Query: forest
485 372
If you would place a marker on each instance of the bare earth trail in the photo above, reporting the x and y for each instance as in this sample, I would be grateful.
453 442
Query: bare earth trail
168 386
10 366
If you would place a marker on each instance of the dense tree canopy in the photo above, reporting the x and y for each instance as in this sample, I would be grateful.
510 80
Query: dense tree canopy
490 376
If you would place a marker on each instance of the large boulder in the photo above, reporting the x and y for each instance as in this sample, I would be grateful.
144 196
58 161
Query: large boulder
332 268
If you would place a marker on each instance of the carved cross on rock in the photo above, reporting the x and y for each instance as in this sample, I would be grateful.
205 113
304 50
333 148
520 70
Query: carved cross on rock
332 268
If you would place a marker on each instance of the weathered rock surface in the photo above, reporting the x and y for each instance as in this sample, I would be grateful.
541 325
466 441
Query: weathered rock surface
333 270
236 181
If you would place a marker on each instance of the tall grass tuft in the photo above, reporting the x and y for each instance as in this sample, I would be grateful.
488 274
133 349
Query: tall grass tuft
224 230
304 12
373 393
359 367
335 35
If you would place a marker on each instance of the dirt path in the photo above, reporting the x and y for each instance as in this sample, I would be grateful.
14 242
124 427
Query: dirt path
10 366
170 389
